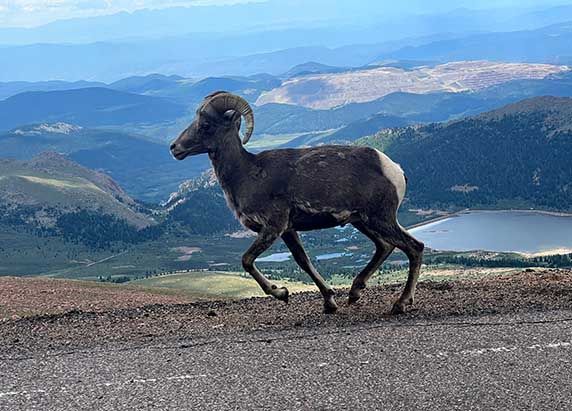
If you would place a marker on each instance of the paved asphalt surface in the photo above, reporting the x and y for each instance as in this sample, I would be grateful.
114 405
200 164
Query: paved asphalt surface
502 362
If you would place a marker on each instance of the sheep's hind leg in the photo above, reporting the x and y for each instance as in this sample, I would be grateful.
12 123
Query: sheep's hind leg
397 236
295 246
382 251
262 243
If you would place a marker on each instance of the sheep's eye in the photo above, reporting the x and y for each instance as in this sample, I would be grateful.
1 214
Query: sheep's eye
204 125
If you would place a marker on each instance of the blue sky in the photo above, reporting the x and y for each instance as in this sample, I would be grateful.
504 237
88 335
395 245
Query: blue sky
27 13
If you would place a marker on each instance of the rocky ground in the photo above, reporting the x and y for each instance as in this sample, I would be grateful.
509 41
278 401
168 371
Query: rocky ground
76 318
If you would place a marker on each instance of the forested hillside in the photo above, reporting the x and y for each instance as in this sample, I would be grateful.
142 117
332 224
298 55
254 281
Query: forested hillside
519 155
51 195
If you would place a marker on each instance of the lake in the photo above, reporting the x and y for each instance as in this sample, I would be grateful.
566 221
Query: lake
281 257
274 258
520 231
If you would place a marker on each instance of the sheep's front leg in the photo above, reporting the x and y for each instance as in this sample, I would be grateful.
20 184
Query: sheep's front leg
295 246
262 243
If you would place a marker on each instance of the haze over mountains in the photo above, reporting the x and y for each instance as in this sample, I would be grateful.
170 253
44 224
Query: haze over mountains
548 44
273 36
367 16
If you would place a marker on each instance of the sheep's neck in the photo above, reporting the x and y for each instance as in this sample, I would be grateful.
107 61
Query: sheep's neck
231 163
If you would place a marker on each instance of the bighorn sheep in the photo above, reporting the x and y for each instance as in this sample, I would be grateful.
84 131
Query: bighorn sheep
278 192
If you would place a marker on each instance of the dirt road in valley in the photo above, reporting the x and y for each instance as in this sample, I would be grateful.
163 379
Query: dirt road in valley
502 343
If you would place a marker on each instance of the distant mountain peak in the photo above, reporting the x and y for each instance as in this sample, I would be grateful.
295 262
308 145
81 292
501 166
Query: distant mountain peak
47 128
543 104
52 159
312 67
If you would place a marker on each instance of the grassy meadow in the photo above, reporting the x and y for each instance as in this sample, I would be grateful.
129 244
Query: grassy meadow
211 284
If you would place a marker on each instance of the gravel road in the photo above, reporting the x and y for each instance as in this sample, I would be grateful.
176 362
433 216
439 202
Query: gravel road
503 343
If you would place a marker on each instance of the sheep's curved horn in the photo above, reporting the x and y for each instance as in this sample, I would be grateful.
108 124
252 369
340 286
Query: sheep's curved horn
226 101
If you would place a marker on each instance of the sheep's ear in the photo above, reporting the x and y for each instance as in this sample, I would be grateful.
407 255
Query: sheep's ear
232 117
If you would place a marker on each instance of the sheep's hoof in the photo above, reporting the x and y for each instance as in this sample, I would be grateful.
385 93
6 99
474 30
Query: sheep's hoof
399 306
281 294
330 306
355 292
354 297
398 309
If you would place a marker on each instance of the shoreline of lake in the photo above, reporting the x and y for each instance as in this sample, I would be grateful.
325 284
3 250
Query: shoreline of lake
486 210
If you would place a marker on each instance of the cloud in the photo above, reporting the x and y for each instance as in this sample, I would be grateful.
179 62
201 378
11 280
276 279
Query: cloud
36 12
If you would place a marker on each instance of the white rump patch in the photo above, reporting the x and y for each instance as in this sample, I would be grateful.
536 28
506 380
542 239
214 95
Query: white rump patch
394 173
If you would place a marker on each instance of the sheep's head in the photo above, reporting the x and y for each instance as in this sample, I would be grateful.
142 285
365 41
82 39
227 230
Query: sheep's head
218 115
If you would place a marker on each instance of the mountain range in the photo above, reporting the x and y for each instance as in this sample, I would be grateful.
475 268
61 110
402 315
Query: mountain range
352 121
548 44
173 99
115 130
357 18
451 36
